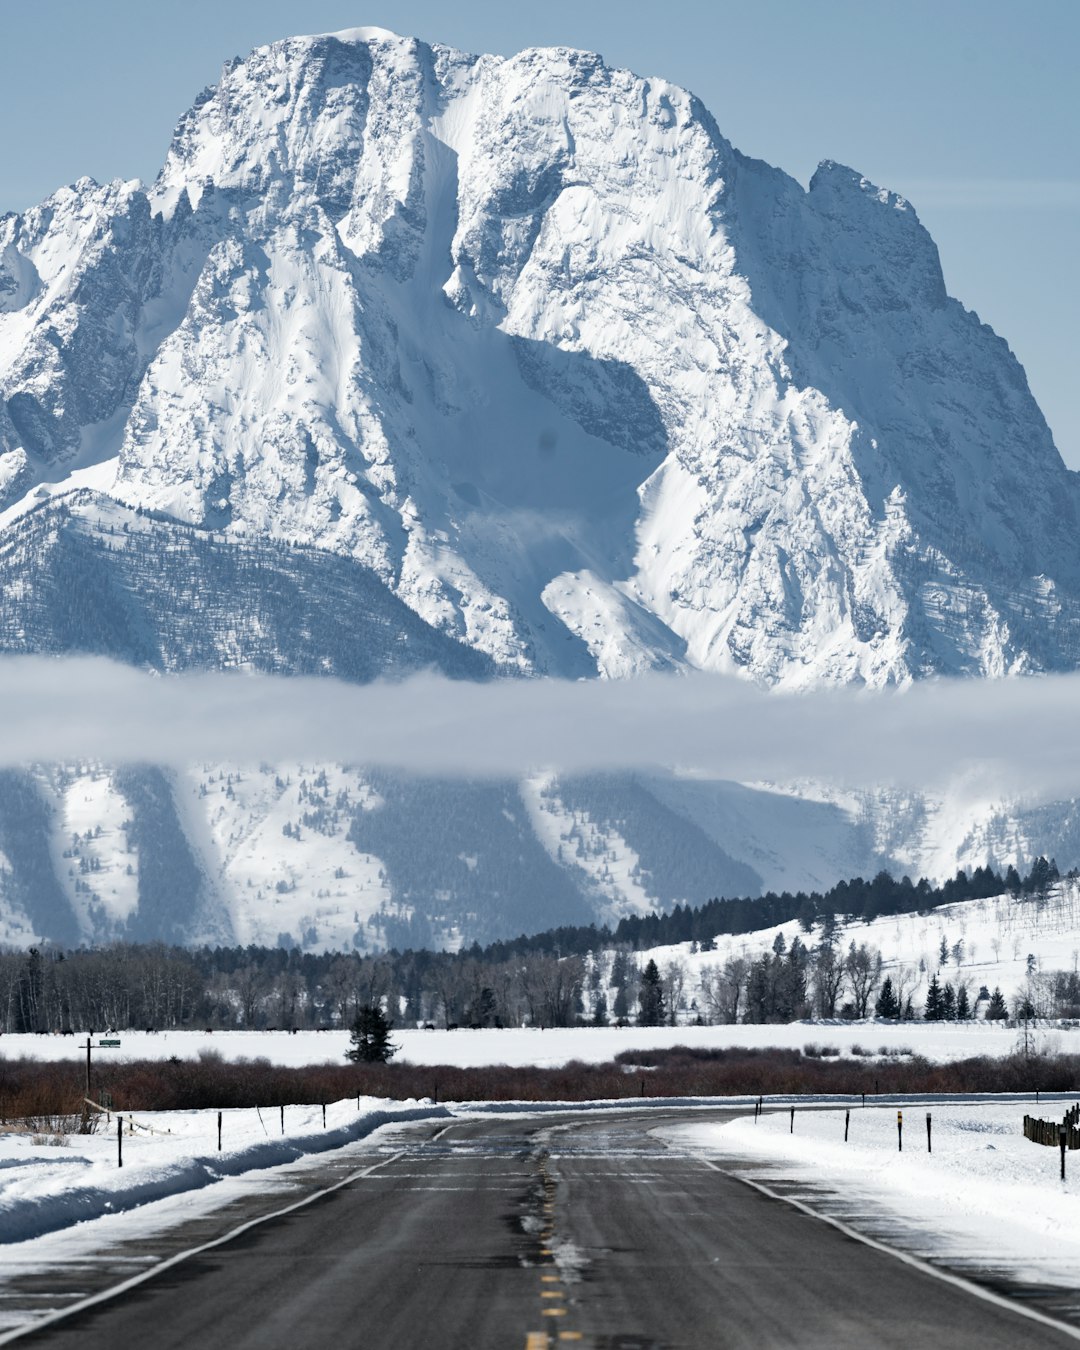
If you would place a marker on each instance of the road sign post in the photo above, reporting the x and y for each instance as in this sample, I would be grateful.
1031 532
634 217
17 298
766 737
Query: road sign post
900 1131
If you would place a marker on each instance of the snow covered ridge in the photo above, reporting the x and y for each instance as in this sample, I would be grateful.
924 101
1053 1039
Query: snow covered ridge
545 377
584 386
1028 948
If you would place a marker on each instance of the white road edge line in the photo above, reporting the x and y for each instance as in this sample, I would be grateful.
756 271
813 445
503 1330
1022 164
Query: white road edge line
947 1277
114 1291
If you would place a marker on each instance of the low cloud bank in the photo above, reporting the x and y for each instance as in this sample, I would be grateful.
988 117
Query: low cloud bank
1019 737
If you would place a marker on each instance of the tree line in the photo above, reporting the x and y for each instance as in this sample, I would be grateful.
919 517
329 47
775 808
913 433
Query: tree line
559 978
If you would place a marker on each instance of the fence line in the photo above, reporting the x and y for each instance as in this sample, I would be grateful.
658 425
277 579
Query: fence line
1049 1131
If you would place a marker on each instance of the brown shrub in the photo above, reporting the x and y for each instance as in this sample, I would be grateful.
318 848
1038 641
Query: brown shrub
31 1090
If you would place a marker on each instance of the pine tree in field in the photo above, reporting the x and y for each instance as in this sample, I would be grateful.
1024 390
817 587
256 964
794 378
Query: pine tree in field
948 1004
651 998
943 951
933 1011
963 1004
599 1016
370 1036
887 1005
996 1011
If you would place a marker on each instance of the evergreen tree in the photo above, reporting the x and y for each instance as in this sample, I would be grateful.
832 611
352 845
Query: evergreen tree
948 1004
370 1036
963 1004
887 1005
943 952
482 1010
933 1001
621 1007
599 1015
651 998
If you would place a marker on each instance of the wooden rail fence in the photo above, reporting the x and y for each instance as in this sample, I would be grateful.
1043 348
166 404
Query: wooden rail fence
1049 1131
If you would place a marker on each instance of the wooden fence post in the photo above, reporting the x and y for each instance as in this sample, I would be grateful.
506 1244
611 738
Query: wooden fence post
119 1141
847 1122
219 1131
929 1149
900 1131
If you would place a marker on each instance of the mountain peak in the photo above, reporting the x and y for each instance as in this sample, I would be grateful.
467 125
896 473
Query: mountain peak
581 385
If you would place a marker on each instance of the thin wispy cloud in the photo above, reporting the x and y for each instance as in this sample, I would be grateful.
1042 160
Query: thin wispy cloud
1012 737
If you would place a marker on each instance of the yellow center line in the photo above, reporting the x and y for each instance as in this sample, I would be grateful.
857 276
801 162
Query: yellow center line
552 1312
536 1340
569 1336
551 1279
551 1293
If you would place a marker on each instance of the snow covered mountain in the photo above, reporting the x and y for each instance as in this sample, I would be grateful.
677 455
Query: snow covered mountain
583 385
522 367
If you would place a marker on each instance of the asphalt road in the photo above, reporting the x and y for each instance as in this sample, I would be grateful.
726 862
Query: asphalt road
537 1233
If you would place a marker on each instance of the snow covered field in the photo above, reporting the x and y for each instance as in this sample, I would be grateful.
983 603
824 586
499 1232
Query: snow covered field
45 1187
519 1046
985 1197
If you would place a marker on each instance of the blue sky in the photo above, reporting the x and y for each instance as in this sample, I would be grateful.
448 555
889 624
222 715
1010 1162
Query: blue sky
968 107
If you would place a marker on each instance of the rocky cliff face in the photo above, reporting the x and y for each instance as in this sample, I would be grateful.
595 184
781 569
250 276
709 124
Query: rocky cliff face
586 388
514 365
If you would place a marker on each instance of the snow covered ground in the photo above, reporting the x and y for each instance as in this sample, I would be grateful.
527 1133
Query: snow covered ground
990 943
45 1186
984 1198
938 1041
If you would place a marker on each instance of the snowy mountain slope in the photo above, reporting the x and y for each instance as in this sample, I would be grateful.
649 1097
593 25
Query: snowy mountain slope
1003 942
585 387
80 573
320 856
519 366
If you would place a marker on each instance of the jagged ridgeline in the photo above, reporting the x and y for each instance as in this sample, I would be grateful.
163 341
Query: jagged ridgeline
411 359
